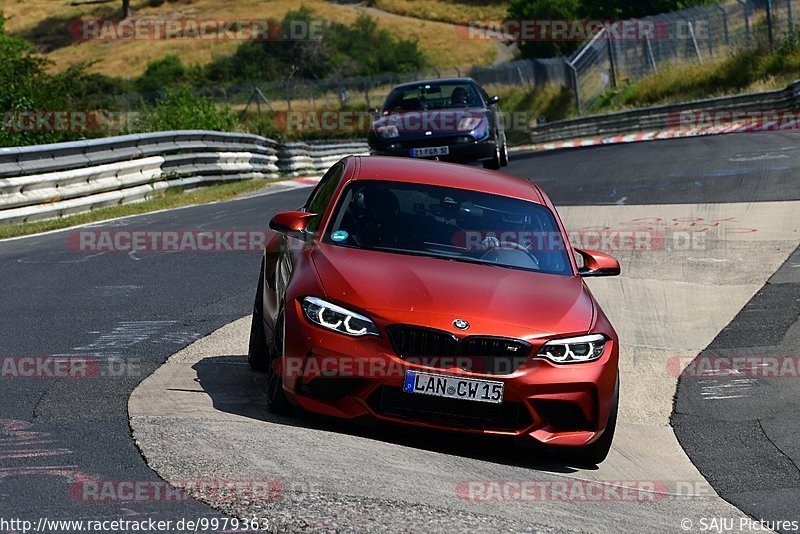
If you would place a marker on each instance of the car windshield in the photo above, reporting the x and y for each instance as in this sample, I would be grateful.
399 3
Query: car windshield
433 96
449 223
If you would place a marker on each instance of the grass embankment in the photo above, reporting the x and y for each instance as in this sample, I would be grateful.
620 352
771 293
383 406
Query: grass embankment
46 23
172 198
453 11
745 71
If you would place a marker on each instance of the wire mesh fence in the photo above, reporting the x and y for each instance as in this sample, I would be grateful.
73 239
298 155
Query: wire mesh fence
357 92
698 34
370 91
611 57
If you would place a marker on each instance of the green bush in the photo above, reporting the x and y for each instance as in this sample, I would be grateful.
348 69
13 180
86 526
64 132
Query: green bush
164 73
361 49
25 87
181 109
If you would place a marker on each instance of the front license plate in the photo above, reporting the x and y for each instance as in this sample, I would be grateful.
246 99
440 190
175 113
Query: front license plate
430 151
453 387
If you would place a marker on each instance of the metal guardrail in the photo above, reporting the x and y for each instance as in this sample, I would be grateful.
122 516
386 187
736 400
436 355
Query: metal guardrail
664 117
48 181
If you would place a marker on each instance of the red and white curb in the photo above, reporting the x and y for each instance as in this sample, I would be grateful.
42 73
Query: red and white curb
652 136
631 138
304 181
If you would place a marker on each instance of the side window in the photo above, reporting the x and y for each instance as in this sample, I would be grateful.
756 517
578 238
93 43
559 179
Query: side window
322 195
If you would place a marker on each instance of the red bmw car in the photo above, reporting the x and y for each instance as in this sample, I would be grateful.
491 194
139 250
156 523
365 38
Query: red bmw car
437 295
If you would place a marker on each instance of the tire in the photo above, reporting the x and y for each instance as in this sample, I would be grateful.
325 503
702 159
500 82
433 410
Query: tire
258 350
595 453
504 152
494 163
277 402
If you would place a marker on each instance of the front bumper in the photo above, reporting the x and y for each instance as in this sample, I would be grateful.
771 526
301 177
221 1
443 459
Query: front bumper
463 149
338 376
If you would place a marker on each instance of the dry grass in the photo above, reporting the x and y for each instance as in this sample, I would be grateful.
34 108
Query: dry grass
455 11
745 71
441 42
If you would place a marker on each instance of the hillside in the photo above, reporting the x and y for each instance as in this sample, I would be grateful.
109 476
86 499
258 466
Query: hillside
46 23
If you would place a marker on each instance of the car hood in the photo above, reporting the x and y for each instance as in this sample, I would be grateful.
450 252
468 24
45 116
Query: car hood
432 292
440 123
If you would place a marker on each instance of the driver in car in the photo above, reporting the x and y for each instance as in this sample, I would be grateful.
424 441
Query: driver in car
374 220
458 97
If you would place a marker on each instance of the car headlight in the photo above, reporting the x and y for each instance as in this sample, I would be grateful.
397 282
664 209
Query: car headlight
574 349
388 131
338 319
467 124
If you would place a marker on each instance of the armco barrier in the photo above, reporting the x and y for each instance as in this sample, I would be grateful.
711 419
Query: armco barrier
663 117
296 159
48 181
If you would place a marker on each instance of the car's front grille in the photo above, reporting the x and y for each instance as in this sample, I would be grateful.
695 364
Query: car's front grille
434 141
443 350
507 417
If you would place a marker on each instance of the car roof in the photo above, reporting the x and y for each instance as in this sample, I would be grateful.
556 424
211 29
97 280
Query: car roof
435 81
458 176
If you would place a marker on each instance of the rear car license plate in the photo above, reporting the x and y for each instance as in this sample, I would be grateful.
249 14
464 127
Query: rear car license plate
453 387
430 151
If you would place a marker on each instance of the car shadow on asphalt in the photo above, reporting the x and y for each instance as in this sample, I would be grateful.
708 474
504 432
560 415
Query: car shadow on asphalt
234 388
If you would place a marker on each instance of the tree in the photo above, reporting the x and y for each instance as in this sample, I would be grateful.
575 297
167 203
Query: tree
585 9
126 9
545 10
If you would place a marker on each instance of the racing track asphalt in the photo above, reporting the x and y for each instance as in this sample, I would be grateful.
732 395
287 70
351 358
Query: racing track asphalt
142 308
741 429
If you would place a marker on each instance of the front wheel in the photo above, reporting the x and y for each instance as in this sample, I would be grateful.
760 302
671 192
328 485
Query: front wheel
495 163
258 350
277 402
504 151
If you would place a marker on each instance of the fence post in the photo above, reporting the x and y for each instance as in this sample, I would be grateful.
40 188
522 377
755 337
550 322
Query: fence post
725 22
611 62
769 22
575 86
710 39
694 43
789 15
746 8
650 54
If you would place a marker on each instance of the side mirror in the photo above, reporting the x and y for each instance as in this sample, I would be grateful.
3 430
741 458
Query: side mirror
291 223
597 264
494 100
